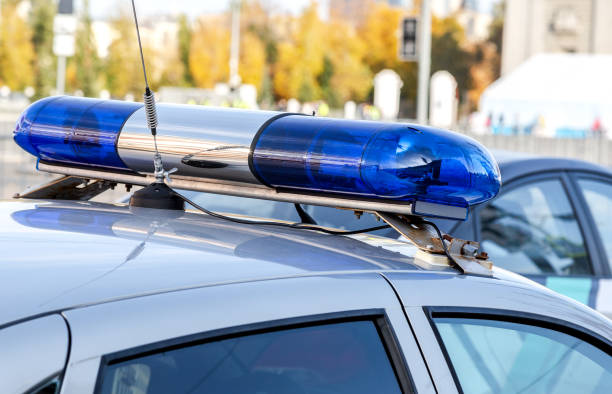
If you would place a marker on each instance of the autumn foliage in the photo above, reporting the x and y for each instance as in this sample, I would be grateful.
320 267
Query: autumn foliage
284 56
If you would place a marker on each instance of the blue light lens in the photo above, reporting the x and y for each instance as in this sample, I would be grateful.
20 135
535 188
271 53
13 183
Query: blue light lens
74 130
384 160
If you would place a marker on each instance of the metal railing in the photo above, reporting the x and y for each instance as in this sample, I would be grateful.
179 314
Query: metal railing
594 150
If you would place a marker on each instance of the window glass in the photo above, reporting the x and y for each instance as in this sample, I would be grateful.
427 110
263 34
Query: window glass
325 216
532 229
598 196
501 357
336 358
51 387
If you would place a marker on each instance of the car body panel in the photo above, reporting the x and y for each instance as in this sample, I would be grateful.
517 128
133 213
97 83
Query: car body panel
129 278
32 352
469 292
102 329
59 255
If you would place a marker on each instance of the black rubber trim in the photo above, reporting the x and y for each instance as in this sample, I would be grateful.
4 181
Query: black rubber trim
256 138
394 354
374 315
416 339
68 352
510 316
45 382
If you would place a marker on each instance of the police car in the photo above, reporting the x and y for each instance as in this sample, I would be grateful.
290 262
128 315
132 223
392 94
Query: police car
146 297
551 222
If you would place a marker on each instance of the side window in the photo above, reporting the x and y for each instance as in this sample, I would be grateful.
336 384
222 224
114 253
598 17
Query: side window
347 357
598 196
532 229
51 386
500 357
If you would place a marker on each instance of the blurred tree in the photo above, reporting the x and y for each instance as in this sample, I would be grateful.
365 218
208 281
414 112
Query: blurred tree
123 68
380 35
16 49
209 52
252 59
482 72
256 20
448 54
496 32
345 75
301 59
325 81
41 24
209 55
184 43
173 72
85 63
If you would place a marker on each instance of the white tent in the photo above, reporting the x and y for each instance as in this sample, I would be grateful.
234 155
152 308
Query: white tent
554 95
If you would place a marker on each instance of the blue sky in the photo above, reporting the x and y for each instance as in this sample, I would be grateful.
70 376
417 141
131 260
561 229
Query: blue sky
105 8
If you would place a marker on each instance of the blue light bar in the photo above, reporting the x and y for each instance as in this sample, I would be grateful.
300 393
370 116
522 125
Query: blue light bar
370 159
74 130
387 167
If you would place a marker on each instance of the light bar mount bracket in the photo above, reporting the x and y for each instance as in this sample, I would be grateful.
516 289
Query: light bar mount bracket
464 254
249 190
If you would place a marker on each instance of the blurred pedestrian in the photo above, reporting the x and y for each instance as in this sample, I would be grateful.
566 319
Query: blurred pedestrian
597 128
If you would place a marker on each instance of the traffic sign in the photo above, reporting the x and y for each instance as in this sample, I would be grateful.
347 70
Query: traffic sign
408 39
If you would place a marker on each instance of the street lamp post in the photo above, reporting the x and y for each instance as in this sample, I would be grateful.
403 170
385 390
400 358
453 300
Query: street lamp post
234 79
64 27
424 61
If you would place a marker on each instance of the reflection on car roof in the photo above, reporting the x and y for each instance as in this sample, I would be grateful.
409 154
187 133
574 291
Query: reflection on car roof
64 254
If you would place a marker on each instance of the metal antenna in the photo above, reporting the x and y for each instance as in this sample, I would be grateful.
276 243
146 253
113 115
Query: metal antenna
157 194
151 112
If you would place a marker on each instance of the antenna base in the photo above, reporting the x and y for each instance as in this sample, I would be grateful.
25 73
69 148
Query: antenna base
158 196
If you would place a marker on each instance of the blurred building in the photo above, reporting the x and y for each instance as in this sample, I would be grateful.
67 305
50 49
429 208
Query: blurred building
355 12
553 95
469 15
444 8
104 34
555 26
160 31
474 22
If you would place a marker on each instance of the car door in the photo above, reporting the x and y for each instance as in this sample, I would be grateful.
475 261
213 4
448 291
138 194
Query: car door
594 195
537 227
506 352
480 335
333 330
